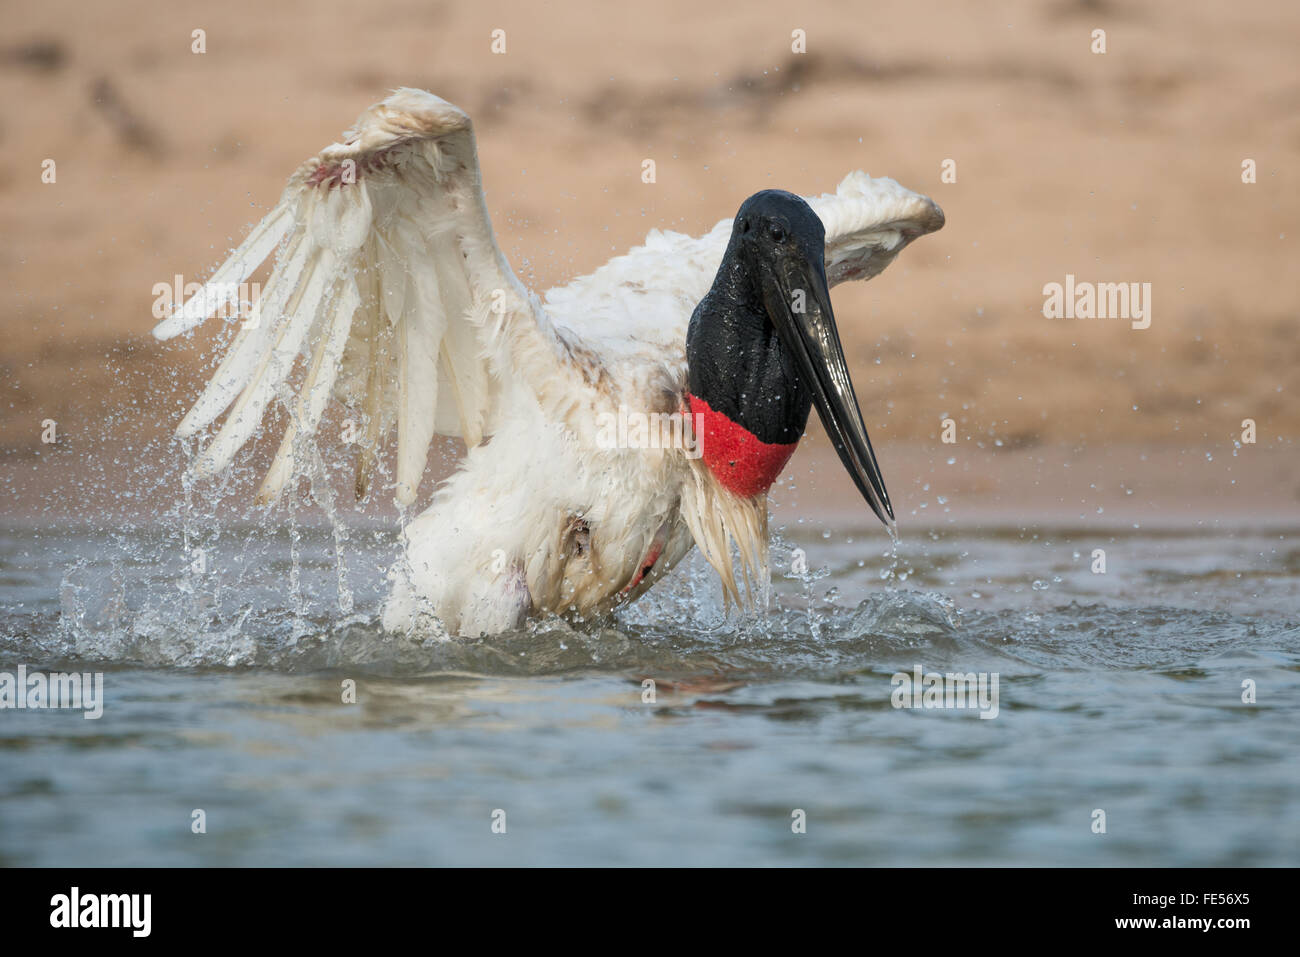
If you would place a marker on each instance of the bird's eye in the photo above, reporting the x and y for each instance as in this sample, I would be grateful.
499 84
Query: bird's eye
744 225
777 233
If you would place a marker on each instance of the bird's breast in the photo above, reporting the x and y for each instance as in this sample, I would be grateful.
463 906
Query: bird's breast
743 463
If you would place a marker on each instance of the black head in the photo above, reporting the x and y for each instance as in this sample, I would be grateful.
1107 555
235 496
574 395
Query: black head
770 307
774 225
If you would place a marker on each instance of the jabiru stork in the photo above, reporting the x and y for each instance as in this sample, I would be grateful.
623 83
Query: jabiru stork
390 294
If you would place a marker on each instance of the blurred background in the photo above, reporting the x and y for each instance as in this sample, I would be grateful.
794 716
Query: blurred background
1117 167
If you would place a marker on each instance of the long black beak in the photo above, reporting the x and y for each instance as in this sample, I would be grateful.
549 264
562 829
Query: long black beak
813 339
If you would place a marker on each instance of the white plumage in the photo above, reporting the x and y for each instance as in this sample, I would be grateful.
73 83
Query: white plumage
389 290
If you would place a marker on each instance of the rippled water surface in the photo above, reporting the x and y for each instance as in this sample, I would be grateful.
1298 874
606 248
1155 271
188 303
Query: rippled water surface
225 650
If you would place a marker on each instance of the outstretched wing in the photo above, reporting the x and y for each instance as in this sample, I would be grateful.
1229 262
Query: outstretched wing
390 287
868 222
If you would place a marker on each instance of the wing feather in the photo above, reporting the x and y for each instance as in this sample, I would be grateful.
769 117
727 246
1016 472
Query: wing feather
315 392
223 287
868 222
272 369
386 257
418 401
250 343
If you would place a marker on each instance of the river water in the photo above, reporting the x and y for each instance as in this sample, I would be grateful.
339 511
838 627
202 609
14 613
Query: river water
1145 715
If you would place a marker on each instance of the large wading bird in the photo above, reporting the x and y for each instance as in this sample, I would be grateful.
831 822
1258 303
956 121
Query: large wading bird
390 295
